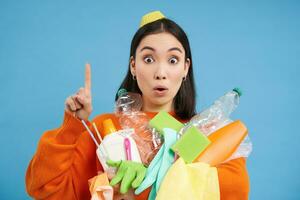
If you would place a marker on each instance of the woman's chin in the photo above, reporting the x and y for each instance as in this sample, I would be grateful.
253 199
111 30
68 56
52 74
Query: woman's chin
159 104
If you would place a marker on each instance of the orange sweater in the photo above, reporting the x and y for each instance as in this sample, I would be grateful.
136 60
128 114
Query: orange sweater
65 159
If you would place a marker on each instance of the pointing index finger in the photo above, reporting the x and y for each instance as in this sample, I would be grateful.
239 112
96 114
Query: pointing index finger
88 78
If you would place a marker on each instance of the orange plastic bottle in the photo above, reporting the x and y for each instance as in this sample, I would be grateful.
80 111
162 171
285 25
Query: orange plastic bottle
223 143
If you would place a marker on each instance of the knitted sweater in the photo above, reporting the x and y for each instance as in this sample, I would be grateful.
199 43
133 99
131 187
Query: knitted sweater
65 159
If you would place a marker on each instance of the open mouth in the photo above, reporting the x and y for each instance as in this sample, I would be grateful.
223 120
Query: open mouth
160 90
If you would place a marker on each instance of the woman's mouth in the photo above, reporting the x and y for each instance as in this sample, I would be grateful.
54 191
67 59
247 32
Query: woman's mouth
160 90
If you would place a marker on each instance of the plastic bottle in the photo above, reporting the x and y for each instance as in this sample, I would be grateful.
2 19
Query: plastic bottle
108 127
128 109
224 143
217 116
210 119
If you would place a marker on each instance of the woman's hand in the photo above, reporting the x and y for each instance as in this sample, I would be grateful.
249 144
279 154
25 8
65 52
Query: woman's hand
80 103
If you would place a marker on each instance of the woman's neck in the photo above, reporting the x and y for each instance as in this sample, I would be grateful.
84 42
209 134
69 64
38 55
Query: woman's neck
157 108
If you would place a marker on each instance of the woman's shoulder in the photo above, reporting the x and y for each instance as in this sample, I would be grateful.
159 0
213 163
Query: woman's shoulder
104 116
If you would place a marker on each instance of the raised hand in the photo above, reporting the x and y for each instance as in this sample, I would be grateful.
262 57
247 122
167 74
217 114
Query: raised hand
80 103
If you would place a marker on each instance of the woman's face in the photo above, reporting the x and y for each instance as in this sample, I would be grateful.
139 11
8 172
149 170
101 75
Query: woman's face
159 68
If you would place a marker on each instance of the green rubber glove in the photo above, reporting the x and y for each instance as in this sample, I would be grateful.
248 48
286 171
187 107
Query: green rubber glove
159 165
130 174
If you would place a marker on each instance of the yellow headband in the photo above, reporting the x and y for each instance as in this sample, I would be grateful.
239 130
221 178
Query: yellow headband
151 17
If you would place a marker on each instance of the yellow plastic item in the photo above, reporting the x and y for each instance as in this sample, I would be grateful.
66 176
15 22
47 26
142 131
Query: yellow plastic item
223 143
108 127
151 17
194 181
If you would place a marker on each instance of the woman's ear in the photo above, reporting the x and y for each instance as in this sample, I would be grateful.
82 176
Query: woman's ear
187 65
132 66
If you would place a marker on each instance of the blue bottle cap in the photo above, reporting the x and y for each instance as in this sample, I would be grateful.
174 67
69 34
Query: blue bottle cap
122 91
238 90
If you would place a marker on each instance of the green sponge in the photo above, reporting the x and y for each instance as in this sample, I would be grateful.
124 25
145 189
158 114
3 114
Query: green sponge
165 120
191 144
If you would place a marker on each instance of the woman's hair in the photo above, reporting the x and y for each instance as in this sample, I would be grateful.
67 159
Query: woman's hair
185 99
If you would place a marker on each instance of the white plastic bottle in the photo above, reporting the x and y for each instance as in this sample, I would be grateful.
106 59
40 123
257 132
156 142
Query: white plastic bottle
112 146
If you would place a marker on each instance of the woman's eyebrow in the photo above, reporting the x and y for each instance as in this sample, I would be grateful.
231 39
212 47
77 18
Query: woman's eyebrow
175 49
147 47
152 49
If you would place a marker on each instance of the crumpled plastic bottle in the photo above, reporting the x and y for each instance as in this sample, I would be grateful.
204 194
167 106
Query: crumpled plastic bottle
128 110
217 116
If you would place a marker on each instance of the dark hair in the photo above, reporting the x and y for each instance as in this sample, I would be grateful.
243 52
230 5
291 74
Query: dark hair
185 99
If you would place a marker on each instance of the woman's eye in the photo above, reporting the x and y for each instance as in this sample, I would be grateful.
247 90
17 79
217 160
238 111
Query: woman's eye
148 59
173 60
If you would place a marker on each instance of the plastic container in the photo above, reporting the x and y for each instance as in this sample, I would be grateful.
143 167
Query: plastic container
112 147
128 110
218 116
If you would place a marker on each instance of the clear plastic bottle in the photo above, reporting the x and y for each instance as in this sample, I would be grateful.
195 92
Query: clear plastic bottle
217 116
211 118
128 110
128 102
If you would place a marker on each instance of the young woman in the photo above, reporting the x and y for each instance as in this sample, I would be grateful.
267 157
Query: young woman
161 70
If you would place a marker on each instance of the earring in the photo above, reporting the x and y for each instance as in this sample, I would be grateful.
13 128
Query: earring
184 78
133 77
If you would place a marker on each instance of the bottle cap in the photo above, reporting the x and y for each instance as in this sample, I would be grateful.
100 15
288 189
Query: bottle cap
108 126
122 91
238 91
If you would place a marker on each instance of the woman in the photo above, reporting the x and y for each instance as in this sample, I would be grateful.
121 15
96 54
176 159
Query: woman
161 70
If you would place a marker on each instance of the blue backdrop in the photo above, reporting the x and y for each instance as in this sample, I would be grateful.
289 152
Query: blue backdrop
250 44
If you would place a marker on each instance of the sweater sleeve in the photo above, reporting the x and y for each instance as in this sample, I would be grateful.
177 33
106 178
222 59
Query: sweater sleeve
233 180
60 165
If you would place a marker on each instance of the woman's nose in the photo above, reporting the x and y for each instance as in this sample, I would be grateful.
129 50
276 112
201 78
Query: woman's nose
160 74
159 77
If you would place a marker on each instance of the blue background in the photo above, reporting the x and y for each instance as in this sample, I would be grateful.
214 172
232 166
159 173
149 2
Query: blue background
251 44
